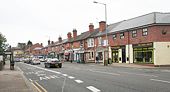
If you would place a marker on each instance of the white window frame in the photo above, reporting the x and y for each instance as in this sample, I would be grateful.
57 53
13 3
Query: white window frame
134 33
90 42
122 35
100 41
144 32
114 36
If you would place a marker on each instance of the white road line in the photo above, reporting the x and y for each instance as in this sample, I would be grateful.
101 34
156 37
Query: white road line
71 77
65 75
139 74
30 80
93 89
46 69
104 72
160 81
78 81
165 70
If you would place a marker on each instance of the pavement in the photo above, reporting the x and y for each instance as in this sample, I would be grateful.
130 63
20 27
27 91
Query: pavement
13 80
133 65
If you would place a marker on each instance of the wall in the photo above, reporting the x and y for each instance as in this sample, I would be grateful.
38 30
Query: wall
129 53
161 53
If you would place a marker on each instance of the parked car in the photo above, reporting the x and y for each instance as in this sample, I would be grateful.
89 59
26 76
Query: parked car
53 63
17 59
35 61
42 60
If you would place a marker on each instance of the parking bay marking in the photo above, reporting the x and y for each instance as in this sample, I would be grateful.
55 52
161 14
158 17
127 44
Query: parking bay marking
160 81
78 81
93 89
71 77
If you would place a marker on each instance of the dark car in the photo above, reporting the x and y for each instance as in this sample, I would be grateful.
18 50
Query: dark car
53 63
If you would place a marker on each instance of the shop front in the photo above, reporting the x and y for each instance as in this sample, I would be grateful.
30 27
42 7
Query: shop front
118 54
143 53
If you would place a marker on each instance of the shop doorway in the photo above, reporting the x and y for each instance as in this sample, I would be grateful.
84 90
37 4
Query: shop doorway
123 55
115 56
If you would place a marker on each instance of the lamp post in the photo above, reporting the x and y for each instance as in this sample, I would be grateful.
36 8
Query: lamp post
105 28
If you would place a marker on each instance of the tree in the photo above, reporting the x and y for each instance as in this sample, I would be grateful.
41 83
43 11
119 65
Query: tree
3 40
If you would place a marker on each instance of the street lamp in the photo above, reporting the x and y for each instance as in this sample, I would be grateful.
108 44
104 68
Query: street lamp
105 26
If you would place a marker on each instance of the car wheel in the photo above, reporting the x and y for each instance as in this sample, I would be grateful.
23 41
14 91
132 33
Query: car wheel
60 65
48 65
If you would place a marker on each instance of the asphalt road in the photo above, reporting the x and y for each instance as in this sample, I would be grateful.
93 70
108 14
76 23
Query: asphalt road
73 77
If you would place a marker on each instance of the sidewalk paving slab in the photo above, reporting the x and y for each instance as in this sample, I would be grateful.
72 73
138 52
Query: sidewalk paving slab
12 80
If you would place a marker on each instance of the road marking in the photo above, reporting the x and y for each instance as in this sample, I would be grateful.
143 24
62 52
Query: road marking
93 89
139 74
104 72
65 75
41 88
160 81
71 77
165 70
45 69
30 80
41 74
78 81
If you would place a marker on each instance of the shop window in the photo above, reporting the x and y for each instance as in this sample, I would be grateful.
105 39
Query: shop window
134 33
114 36
145 32
122 35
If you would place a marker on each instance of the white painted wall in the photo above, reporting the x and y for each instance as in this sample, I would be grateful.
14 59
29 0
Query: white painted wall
161 53
129 53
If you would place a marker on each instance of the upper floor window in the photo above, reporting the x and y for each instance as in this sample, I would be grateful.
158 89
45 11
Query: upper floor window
134 33
81 43
122 35
100 41
114 36
145 32
90 42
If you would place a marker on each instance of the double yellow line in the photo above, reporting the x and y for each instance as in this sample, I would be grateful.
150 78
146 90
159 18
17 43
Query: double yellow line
38 87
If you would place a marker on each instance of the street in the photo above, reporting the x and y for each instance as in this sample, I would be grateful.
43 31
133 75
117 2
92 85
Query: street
73 77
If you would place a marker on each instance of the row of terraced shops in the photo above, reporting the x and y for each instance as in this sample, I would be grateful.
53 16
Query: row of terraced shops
143 39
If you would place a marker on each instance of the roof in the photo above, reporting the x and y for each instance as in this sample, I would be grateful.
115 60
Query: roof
151 18
109 28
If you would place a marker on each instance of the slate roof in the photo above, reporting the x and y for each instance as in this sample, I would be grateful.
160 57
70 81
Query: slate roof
109 28
151 18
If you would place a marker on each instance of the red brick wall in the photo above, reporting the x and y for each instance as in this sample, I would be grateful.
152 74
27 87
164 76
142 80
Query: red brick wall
76 44
154 35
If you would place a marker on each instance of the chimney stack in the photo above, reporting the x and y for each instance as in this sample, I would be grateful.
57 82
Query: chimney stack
102 26
69 35
52 42
74 33
41 44
48 42
60 39
91 27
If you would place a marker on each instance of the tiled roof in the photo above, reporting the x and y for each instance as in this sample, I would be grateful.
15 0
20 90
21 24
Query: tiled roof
109 28
143 20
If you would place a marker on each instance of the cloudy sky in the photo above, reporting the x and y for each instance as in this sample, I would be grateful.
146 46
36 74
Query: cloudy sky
40 20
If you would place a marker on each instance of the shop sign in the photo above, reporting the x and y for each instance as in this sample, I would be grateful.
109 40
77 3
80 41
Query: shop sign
143 45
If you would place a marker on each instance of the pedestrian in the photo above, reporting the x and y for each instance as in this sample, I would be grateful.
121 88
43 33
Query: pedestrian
97 59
